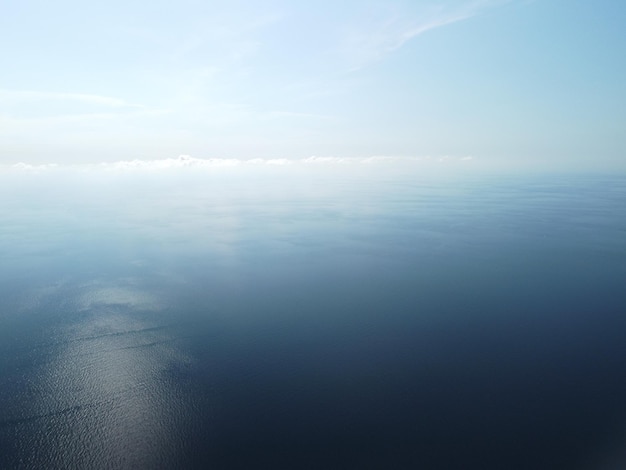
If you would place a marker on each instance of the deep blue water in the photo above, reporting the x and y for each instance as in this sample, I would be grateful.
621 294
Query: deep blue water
221 320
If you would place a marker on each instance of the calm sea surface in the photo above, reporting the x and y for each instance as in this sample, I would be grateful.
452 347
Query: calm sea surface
312 319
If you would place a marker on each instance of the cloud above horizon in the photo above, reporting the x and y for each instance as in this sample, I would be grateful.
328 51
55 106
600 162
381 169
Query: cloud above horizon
188 162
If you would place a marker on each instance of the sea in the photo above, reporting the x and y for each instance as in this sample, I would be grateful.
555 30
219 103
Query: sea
318 315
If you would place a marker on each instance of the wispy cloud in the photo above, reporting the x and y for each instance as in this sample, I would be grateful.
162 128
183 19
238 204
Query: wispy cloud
234 38
294 114
22 96
379 38
10 125
34 110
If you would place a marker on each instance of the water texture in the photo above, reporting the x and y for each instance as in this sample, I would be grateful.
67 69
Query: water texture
325 320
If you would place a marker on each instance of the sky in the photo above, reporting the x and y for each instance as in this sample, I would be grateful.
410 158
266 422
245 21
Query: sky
512 82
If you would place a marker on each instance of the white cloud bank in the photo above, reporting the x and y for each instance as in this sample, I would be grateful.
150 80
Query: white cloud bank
188 162
29 167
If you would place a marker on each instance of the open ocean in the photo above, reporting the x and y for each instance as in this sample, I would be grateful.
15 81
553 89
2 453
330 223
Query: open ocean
312 319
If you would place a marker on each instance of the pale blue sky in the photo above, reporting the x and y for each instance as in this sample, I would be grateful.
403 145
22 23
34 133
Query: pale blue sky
503 81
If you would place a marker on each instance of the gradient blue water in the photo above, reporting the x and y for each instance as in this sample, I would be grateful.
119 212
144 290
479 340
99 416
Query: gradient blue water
303 321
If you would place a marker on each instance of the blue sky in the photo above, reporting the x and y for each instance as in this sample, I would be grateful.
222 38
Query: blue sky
507 82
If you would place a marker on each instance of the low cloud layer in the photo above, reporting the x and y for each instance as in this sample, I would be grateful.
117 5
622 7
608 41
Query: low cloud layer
186 161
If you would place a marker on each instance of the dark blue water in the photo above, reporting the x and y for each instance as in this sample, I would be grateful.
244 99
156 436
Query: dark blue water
292 320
